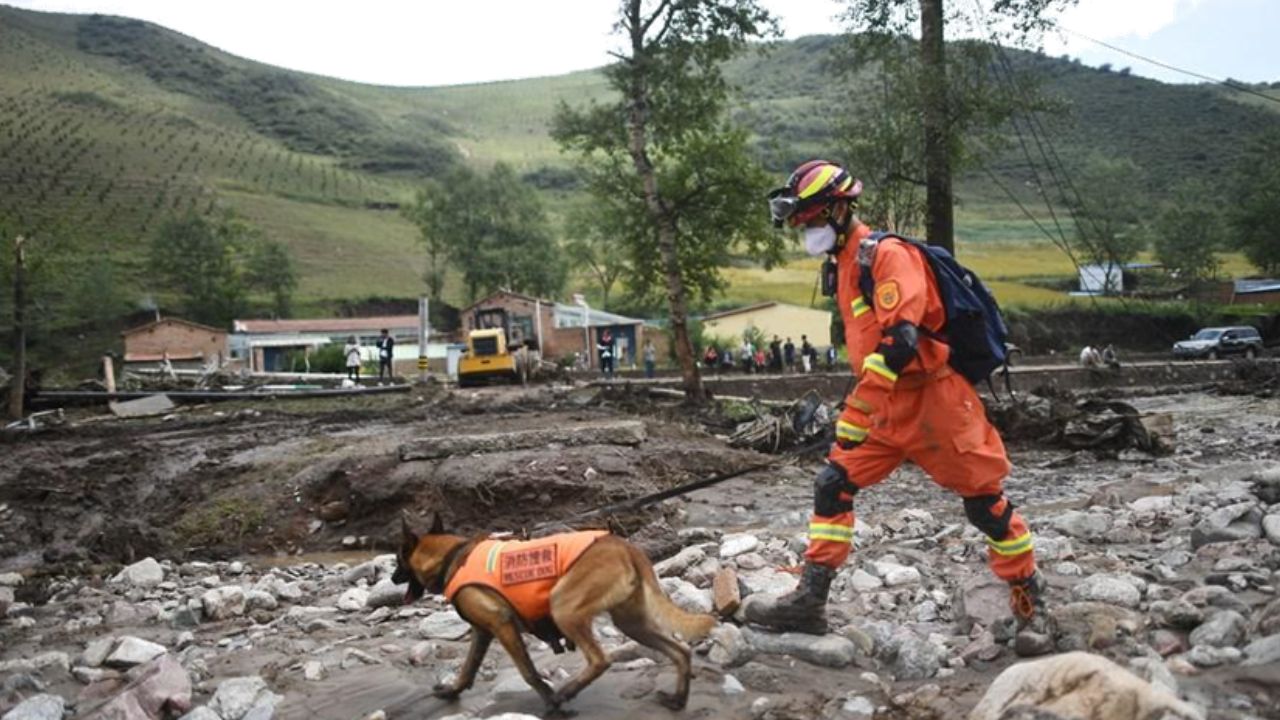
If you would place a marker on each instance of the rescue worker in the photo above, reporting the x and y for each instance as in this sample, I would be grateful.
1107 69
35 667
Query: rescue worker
908 404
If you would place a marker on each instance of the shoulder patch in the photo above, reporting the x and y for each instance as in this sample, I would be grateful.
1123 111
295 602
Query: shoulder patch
887 294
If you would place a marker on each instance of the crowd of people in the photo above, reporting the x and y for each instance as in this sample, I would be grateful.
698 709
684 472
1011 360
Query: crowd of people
776 357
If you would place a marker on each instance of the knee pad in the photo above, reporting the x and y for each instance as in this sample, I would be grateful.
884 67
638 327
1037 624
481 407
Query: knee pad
979 511
831 481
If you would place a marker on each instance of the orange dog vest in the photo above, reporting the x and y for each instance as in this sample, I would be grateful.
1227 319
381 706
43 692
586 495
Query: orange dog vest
523 572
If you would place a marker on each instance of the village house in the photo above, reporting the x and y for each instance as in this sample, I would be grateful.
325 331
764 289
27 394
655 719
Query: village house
184 344
770 318
558 328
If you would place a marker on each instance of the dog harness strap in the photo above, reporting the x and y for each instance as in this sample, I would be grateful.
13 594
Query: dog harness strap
437 586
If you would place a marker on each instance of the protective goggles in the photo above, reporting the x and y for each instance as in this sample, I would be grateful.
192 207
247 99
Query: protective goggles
785 207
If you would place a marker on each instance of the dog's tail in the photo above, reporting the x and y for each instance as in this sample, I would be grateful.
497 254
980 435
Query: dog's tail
690 626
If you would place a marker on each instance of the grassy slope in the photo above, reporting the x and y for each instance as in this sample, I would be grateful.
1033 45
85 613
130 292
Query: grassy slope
114 140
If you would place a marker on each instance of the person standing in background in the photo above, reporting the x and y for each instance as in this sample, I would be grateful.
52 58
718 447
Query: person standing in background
386 350
650 359
352 353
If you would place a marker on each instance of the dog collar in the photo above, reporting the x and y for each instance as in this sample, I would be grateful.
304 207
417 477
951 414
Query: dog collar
437 586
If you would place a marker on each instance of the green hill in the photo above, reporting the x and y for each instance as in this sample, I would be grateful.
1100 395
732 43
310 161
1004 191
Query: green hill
110 125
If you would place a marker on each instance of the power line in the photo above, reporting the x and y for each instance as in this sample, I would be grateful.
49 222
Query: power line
1189 73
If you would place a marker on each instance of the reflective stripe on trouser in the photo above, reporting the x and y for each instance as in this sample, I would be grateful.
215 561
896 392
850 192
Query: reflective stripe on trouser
830 539
1013 558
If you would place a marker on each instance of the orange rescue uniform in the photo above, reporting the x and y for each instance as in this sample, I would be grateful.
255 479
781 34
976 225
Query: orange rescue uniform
923 412
522 571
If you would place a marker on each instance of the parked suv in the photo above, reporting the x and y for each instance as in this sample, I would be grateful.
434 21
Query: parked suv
1213 343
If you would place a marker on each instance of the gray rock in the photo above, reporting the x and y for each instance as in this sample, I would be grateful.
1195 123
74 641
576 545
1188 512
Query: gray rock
768 582
134 651
1178 614
367 571
1241 521
11 579
1106 588
901 575
444 625
1154 671
97 651
1209 656
863 581
731 686
677 564
1267 620
729 647
281 589
201 713
38 707
1215 596
825 650
386 594
1271 528
917 658
1263 650
353 599
223 603
1093 625
1225 628
145 573
858 706
260 600
737 544
314 670
1082 525
686 596
6 600
235 697
90 675
981 600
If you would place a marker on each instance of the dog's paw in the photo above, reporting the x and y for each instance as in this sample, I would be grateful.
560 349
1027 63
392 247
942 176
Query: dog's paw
445 692
671 701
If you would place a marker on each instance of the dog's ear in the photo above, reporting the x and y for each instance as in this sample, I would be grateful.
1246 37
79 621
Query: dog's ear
409 539
437 524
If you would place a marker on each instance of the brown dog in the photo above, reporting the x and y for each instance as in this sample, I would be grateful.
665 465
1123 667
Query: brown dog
610 575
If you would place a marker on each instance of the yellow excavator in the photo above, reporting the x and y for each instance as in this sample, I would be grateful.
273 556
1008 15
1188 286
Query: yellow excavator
495 352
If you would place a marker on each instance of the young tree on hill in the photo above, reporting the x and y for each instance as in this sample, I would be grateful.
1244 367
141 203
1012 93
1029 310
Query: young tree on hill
594 246
1255 204
665 156
1188 233
432 229
493 229
956 89
1108 210
269 269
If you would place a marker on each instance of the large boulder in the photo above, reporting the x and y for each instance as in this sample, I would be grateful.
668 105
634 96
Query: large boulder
1107 588
1225 628
224 602
134 651
37 707
981 600
1080 686
146 573
1241 521
237 697
825 650
1263 651
444 625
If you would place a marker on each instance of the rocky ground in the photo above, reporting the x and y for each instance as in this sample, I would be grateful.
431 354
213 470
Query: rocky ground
283 605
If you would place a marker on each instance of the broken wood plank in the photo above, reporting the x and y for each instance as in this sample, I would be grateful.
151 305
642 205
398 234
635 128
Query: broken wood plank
625 432
725 594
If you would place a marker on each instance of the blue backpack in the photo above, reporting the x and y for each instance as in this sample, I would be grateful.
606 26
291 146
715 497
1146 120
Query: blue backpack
974 327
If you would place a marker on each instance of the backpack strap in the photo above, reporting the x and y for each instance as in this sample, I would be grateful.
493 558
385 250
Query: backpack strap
867 283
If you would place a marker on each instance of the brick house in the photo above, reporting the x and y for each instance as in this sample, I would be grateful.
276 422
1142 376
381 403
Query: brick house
184 343
559 326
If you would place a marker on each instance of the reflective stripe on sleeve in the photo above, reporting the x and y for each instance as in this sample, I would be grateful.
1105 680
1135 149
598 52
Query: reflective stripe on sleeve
849 431
876 364
860 306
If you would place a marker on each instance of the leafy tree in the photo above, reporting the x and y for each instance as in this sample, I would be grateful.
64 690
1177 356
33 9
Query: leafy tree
1188 231
490 227
960 94
432 227
269 268
1255 204
595 246
665 157
1108 208
213 264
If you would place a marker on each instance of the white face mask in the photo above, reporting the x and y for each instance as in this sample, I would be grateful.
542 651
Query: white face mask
819 240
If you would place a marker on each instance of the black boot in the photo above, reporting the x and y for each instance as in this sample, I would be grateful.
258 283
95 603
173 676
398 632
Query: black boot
801 610
1036 628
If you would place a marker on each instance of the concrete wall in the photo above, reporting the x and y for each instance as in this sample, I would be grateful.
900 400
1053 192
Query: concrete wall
781 319
177 339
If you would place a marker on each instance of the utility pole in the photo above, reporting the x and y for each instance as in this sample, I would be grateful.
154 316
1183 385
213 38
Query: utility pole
19 383
939 216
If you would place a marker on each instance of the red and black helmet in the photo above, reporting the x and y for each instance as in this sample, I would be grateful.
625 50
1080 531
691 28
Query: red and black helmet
811 187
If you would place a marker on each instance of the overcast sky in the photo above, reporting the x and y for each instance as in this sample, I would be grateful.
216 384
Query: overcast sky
444 42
